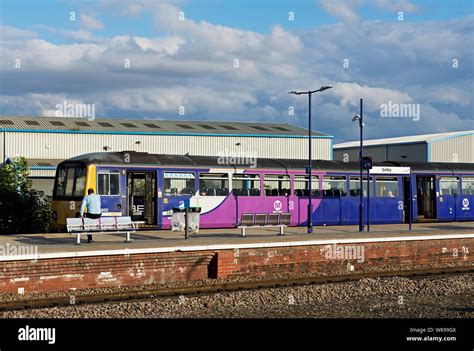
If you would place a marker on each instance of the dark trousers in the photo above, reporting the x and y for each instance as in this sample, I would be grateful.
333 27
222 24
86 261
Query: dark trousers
93 216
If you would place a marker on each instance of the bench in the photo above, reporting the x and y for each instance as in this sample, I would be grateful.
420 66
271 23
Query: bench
264 220
102 225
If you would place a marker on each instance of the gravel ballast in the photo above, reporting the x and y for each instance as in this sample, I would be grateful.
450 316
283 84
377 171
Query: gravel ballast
395 297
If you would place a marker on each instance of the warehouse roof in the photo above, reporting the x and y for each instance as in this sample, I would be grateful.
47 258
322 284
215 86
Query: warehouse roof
425 138
150 126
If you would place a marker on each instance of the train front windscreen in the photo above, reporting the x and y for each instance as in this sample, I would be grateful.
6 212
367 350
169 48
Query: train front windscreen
70 182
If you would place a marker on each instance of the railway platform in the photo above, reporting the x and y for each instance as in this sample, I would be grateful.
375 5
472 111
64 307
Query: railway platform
49 262
39 244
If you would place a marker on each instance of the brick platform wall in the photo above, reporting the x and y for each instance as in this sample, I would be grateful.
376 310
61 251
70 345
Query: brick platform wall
103 271
265 261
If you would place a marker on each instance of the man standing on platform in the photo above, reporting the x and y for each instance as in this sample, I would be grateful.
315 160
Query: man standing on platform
91 202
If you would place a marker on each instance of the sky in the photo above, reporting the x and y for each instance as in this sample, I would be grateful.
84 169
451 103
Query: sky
237 61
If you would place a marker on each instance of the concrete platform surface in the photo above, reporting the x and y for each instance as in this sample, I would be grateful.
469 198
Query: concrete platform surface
30 246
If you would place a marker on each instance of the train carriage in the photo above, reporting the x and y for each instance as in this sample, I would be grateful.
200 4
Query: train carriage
147 187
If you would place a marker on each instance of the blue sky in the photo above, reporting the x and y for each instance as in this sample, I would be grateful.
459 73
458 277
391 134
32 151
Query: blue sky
259 16
191 63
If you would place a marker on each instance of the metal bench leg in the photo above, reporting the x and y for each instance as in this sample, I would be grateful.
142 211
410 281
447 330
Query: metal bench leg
128 237
78 239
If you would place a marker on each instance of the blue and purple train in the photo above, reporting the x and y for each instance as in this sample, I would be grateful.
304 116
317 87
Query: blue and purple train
148 187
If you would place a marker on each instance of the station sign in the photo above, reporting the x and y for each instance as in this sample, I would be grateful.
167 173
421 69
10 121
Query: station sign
390 170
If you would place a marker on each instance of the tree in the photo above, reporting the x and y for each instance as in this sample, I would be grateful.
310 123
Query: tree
22 208
14 175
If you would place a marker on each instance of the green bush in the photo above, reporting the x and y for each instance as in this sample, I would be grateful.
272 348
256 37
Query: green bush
22 209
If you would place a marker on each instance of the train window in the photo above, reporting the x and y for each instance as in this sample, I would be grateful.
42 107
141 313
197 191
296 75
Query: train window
80 187
70 182
354 185
71 172
246 185
213 184
449 185
108 184
334 186
180 184
468 185
60 181
386 186
301 186
277 185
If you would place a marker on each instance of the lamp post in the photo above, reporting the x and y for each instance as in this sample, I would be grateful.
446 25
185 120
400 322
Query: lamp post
309 168
360 118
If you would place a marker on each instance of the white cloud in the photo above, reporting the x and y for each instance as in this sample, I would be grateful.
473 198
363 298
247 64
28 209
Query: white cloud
397 5
447 95
12 33
169 45
374 97
90 23
343 9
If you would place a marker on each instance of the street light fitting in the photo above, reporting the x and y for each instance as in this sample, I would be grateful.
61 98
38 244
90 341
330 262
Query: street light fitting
356 118
323 88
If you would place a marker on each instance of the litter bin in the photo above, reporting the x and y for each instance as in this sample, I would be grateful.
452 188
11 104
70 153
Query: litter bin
193 218
178 219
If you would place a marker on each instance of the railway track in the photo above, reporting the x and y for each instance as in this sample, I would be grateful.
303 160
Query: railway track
152 293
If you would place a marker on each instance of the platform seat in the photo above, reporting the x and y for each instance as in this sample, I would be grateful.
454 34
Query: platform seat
263 220
102 225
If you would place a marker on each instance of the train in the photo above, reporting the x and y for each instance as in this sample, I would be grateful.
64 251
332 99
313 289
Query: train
148 187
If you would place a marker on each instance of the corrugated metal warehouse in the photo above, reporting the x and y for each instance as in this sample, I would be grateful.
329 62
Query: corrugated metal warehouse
46 141
441 147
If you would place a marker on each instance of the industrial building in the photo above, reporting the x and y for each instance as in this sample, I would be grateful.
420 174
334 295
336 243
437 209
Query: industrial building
441 147
46 141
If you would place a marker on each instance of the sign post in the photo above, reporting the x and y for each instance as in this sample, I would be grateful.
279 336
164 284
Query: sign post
367 163
409 203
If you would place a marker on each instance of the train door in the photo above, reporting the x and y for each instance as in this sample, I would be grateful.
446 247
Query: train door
448 195
141 191
425 198
465 201
409 190
176 187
